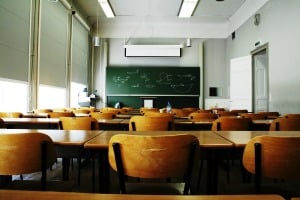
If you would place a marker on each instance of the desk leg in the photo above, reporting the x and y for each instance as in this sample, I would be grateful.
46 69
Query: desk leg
65 169
212 171
103 171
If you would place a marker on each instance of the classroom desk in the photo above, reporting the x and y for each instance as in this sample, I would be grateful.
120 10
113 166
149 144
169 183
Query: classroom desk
69 143
241 138
45 195
31 123
210 142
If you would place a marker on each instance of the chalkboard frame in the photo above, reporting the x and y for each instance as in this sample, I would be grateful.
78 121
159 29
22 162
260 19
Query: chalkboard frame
149 80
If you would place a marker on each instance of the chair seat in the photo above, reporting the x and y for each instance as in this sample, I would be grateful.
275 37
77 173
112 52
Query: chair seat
156 188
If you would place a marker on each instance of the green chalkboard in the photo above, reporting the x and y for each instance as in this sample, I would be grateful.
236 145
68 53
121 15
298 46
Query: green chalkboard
153 80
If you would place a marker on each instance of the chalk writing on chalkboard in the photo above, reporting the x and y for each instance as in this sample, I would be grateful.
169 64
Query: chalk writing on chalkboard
152 80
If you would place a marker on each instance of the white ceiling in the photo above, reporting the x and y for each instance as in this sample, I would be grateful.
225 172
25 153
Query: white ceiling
158 18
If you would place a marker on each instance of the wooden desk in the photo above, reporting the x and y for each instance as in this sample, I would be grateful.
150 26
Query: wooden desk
32 123
209 141
241 138
69 143
37 195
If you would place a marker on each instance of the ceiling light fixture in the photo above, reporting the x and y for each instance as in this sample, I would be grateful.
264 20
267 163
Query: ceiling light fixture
106 7
187 8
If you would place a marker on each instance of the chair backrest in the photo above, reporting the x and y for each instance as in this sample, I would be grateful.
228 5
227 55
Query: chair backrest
81 111
285 124
60 114
292 115
46 110
196 116
272 157
177 112
232 124
239 110
271 114
189 110
143 110
144 123
158 114
11 114
152 157
227 113
21 153
105 115
78 123
254 115
204 111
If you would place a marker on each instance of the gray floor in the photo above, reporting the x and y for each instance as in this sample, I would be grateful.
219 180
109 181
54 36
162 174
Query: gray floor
235 184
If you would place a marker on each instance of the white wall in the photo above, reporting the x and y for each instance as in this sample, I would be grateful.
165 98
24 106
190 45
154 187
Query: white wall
281 29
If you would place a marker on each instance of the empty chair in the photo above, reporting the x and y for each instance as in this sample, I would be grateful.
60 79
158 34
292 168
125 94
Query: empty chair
205 111
177 112
153 157
254 116
24 153
158 114
271 115
78 123
239 111
196 116
285 124
84 112
60 114
100 115
143 110
189 110
272 157
144 123
232 124
217 110
11 114
45 110
292 115
227 114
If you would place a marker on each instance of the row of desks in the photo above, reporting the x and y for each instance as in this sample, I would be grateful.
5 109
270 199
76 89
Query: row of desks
35 195
96 141
116 124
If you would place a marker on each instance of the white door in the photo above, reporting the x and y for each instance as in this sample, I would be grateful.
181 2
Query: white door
241 83
261 90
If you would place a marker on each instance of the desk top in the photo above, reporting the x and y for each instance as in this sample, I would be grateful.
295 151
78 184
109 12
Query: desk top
60 137
241 138
207 139
44 195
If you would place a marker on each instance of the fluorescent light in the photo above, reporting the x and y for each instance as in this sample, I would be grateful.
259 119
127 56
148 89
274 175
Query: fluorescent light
105 5
187 8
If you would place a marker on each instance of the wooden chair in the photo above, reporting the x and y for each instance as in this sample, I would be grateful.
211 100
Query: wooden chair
254 116
11 114
239 111
158 114
292 115
60 114
143 110
177 112
227 114
81 111
232 124
78 123
189 110
144 123
285 124
25 153
272 157
204 111
100 115
46 110
271 115
196 116
152 157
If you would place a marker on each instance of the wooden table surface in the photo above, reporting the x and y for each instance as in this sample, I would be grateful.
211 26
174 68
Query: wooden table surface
207 139
36 195
241 138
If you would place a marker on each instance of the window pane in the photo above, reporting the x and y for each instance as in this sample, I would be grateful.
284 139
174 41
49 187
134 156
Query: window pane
13 95
52 97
